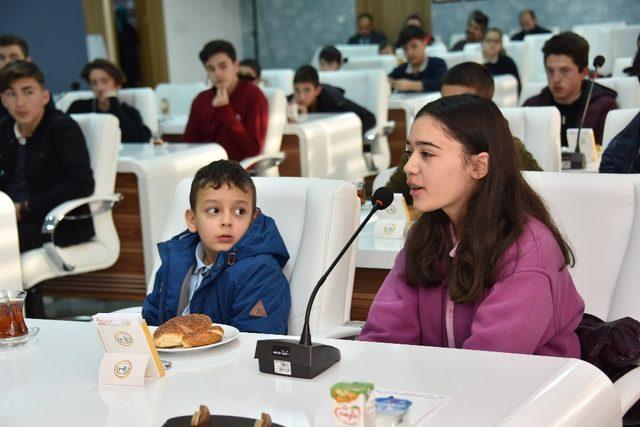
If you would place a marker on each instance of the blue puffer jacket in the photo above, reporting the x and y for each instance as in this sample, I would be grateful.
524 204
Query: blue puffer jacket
232 289
622 154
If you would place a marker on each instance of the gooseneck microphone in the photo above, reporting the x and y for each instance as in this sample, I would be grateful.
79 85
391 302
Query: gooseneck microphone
304 359
577 158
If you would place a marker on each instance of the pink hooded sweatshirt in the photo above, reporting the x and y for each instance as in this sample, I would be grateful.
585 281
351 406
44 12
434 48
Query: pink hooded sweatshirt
533 308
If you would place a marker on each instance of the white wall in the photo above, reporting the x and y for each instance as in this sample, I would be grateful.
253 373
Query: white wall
189 24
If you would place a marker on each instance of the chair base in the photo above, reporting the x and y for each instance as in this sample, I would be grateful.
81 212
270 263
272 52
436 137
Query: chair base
34 303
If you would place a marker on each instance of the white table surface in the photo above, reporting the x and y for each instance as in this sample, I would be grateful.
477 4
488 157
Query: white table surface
158 169
330 145
52 381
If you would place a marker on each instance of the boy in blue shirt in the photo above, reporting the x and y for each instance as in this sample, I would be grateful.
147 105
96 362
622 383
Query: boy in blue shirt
421 73
228 264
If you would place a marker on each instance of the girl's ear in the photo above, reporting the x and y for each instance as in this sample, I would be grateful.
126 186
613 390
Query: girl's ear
479 165
190 219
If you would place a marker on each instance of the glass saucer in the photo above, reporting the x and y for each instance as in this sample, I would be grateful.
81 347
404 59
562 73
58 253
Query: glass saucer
22 339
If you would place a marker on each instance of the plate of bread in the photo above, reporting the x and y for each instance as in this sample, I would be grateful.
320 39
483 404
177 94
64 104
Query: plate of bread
191 332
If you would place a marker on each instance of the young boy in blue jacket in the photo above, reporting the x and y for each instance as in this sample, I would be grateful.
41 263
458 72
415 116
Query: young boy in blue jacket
228 264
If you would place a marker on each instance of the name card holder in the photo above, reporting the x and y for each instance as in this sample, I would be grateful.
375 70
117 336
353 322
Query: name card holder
130 355
392 222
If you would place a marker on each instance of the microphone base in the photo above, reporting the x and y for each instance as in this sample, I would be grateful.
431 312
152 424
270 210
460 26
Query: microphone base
573 160
291 359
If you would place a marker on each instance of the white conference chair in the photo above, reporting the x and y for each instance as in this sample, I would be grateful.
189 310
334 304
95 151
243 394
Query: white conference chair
620 64
370 89
628 89
266 163
539 129
102 134
384 62
348 51
142 98
607 252
506 91
623 43
11 277
280 78
327 213
598 35
177 97
515 50
533 60
615 122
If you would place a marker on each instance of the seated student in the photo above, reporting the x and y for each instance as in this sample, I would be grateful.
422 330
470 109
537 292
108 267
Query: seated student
494 57
366 33
484 267
622 155
313 97
44 159
228 264
476 28
566 57
234 113
386 48
330 59
421 73
417 21
250 70
468 77
529 25
105 79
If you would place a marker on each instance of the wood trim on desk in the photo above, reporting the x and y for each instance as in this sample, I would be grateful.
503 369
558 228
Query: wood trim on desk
124 280
397 138
292 164
366 284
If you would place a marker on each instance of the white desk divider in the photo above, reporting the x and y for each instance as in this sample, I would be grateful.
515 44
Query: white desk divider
392 222
130 355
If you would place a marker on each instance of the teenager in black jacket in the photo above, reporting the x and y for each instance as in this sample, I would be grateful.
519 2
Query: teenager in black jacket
105 79
44 159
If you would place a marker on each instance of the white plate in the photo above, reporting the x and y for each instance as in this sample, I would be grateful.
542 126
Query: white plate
230 334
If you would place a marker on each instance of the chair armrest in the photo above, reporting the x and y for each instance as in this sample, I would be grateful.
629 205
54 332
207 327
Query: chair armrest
60 212
348 330
628 388
381 130
260 163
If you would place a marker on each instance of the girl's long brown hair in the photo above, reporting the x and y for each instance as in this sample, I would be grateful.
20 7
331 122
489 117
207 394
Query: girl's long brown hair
496 212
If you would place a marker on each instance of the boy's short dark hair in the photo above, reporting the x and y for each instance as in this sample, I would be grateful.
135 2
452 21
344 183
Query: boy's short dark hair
221 172
569 44
364 15
331 54
413 16
480 18
253 64
19 70
409 33
306 74
471 75
215 47
10 40
108 67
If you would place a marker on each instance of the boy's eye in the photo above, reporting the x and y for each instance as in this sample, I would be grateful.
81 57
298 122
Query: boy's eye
213 210
240 211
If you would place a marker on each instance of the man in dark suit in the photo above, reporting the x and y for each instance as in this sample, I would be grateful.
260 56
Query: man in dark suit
366 33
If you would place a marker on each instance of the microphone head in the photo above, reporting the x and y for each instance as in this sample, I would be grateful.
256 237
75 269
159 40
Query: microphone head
382 198
598 61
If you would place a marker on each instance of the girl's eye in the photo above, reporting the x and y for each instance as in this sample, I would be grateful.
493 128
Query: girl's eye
426 154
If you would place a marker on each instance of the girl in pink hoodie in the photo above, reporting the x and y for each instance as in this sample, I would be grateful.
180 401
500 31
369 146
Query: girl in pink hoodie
484 267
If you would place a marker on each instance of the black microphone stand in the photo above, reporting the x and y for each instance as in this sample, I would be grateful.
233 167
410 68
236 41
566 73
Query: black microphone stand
304 359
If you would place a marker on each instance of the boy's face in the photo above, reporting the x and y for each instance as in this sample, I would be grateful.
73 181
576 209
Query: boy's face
306 93
221 217
102 84
414 51
222 71
10 54
527 22
365 27
329 65
474 31
564 78
25 99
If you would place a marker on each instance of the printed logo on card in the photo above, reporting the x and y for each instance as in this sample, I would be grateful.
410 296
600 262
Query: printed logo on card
389 228
123 338
122 369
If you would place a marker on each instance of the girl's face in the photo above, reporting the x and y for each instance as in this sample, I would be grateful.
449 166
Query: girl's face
440 175
492 44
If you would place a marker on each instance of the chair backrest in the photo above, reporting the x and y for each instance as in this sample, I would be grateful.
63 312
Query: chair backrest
615 122
142 98
539 129
605 273
384 62
620 64
281 78
458 57
326 213
628 89
533 60
177 97
277 119
599 38
11 277
371 90
455 38
515 50
506 91
530 89
348 51
623 42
